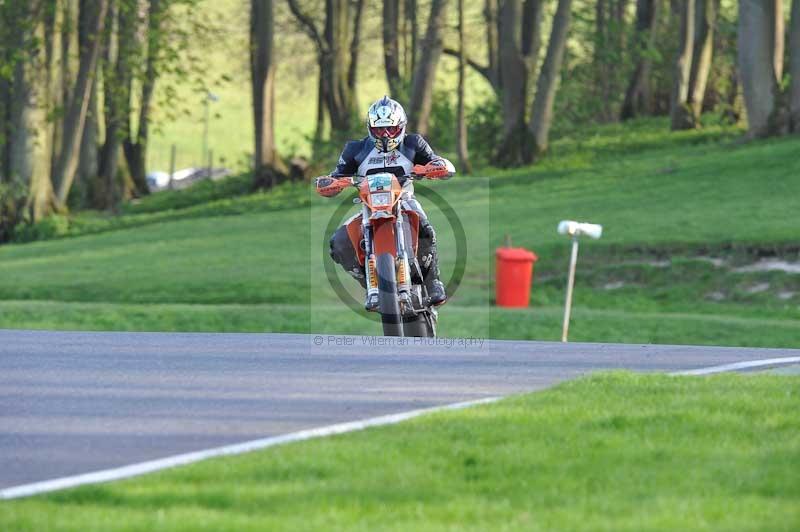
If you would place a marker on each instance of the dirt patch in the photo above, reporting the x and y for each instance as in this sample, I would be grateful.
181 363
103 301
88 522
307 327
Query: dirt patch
757 288
770 265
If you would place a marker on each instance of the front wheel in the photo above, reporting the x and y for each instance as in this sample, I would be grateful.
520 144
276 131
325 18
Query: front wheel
388 303
420 325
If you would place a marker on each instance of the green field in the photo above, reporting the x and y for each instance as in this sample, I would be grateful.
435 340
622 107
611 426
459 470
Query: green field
610 452
214 258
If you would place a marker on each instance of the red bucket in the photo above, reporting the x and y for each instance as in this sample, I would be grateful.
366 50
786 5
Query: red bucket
513 276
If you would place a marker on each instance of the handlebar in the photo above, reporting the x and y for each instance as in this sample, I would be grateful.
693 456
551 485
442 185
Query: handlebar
337 184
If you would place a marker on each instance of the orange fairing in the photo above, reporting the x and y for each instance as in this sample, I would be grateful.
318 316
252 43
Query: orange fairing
355 233
380 185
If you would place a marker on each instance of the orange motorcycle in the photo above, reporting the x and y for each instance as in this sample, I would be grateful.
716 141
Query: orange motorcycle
385 238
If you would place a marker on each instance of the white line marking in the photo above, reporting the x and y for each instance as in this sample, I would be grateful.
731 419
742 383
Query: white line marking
141 468
748 364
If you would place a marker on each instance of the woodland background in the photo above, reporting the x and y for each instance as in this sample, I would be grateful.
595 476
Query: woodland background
93 93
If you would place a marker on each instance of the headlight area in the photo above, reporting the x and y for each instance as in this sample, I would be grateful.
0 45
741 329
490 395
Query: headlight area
381 199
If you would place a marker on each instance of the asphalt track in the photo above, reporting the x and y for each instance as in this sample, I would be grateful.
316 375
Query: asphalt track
72 402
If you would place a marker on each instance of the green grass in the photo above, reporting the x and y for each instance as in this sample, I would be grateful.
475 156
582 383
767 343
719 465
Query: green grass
614 451
191 259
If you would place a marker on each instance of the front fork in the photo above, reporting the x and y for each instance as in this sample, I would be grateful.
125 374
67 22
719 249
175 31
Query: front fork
402 266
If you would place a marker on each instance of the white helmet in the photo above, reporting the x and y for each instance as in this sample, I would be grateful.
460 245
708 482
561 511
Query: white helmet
386 124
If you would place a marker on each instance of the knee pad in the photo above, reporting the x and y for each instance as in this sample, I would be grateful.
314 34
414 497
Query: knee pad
426 230
339 243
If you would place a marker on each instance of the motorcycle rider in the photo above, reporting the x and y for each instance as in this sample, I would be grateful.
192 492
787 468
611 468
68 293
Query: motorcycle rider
388 148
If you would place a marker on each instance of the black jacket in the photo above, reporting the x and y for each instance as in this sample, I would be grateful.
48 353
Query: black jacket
415 148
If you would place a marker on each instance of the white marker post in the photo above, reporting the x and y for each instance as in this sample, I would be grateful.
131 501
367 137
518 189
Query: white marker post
574 230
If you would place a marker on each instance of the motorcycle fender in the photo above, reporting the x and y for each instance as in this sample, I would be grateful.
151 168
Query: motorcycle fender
354 231
383 240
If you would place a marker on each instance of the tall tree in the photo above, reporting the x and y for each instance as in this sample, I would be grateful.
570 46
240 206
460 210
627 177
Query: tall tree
637 96
680 112
419 108
794 66
88 164
75 118
391 46
337 48
117 75
519 29
705 20
411 48
492 23
135 142
268 166
760 59
28 134
609 44
461 126
547 84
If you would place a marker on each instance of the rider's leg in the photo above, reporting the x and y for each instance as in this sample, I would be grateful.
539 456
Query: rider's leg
428 255
343 253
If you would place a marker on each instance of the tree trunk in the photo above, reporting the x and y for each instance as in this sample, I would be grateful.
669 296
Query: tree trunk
601 60
355 48
410 14
391 46
532 12
461 127
30 132
705 20
336 52
547 84
425 72
514 90
794 66
75 118
65 77
135 145
779 36
680 111
758 64
519 27
490 16
337 37
116 103
88 164
268 168
637 96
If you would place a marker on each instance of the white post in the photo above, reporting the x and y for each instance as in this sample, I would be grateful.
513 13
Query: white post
573 261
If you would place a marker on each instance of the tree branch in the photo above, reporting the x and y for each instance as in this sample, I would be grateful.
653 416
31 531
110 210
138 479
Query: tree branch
354 44
307 24
480 69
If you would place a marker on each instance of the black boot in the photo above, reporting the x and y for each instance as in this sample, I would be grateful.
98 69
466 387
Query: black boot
436 291
429 261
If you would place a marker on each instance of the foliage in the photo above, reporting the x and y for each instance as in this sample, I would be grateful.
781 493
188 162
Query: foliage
12 202
614 451
54 226
484 127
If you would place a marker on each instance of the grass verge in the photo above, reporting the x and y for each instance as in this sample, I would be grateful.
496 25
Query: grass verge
616 451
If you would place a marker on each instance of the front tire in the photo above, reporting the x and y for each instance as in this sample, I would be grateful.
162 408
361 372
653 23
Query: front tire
388 304
419 326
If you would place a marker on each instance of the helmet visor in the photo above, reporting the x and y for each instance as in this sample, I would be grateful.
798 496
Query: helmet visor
387 132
